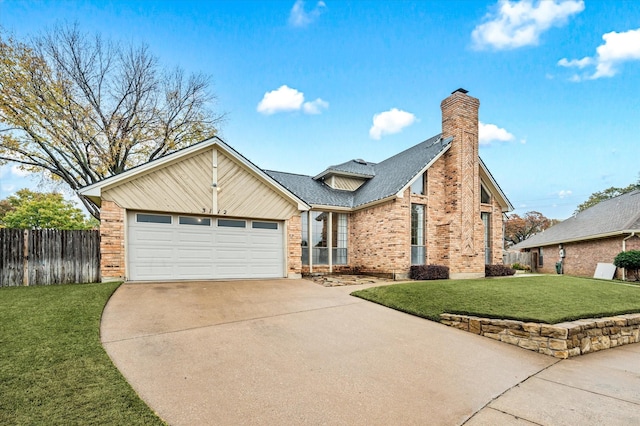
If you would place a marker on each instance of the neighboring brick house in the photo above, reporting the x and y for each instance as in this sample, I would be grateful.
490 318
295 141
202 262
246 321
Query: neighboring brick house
595 235
206 212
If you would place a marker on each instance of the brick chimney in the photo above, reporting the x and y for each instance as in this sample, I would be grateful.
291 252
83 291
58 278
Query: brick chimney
462 186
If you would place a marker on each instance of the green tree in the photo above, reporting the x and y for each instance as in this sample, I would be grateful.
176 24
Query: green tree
518 228
606 194
36 210
80 108
629 260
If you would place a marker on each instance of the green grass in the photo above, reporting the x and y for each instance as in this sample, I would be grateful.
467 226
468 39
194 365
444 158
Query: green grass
53 369
547 299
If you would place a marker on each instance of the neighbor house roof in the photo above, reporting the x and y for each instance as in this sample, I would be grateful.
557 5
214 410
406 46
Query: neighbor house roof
616 216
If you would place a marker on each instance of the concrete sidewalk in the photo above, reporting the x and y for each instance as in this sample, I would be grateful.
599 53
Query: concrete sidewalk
293 352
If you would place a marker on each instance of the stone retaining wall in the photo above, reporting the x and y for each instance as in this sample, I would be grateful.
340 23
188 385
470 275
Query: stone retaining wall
562 340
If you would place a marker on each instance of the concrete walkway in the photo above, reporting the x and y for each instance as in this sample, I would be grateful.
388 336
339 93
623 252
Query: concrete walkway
293 352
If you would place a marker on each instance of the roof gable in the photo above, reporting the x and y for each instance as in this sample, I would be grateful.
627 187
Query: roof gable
94 191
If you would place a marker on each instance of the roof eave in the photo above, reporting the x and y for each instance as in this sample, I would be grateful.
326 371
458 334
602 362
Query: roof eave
506 205
576 239
330 172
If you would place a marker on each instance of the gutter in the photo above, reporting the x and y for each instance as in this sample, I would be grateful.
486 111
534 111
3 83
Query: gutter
583 238
624 248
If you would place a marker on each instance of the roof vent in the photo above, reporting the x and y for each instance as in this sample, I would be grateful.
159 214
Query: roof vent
461 90
360 161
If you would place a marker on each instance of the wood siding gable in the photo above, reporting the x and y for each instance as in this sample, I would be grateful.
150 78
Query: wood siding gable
183 186
243 194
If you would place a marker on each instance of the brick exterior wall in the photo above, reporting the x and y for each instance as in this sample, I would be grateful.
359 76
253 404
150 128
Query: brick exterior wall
112 250
380 238
294 248
462 187
581 258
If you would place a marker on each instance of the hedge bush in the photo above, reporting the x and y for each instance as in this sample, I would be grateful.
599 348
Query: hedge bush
429 272
498 271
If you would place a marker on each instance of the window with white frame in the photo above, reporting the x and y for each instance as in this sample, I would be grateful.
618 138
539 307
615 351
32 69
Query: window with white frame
328 229
418 249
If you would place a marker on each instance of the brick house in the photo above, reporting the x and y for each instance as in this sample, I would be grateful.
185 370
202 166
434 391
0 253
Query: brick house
206 212
595 235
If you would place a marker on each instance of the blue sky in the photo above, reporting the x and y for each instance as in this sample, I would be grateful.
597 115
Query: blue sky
309 84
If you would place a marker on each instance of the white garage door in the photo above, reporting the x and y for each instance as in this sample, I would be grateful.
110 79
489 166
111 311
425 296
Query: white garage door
177 247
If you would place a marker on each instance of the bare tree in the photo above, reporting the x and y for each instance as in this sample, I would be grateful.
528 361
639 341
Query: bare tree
81 109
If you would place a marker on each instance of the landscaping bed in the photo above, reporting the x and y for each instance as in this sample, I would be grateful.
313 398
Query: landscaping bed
54 369
556 315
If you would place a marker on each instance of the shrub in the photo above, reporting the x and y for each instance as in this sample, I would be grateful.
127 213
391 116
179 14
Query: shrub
519 267
498 271
629 260
429 272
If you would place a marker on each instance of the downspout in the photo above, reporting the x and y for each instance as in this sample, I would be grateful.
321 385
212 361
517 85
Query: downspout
624 248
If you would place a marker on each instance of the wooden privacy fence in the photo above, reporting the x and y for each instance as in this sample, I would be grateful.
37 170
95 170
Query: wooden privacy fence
523 258
48 256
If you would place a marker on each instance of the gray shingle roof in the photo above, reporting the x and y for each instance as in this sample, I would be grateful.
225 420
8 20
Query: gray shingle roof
611 216
353 167
387 177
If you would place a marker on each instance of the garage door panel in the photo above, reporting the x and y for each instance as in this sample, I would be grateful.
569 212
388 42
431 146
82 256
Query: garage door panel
151 236
195 238
195 271
173 251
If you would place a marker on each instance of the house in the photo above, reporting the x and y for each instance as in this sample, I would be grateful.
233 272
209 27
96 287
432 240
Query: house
595 235
206 212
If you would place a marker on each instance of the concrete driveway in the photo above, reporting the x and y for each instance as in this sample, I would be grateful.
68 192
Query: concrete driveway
293 352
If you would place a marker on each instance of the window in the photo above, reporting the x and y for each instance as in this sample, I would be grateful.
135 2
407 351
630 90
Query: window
486 221
318 242
187 220
339 240
417 187
230 223
485 197
541 258
418 251
153 218
264 225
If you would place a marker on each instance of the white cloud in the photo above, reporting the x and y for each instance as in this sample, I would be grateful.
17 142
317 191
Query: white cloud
578 63
564 193
286 99
315 107
617 49
518 24
491 132
298 17
389 122
17 171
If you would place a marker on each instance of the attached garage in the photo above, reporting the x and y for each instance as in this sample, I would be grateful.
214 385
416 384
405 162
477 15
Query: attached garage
204 212
180 247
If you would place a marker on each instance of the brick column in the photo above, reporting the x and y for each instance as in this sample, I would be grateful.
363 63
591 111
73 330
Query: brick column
294 248
462 185
112 245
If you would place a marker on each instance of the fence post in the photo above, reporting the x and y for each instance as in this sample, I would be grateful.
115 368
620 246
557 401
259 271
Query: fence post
25 262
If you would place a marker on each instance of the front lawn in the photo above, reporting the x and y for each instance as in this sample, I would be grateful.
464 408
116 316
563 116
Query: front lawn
53 369
547 299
